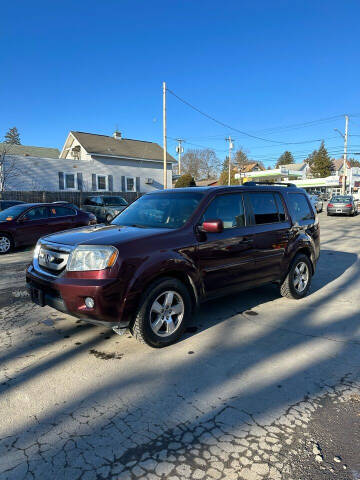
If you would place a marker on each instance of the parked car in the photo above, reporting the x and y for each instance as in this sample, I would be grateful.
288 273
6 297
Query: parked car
105 207
173 249
93 219
317 203
24 224
4 204
342 204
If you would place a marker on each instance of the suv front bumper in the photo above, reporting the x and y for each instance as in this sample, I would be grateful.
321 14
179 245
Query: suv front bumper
68 296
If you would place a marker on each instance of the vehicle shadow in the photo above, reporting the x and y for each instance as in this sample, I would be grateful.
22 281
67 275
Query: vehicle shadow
331 265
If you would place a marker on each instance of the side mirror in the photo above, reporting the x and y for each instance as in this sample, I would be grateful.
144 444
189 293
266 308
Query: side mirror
213 226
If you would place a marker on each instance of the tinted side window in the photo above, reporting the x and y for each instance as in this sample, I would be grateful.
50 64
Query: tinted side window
264 207
228 208
37 213
299 207
90 201
61 212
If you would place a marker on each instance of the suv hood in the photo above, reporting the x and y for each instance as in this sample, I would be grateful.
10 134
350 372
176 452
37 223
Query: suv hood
103 235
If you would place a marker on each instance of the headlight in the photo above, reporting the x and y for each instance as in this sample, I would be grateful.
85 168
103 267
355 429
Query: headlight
91 257
37 249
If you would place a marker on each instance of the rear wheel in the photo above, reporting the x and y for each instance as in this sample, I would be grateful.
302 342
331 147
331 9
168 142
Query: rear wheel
6 243
164 310
297 282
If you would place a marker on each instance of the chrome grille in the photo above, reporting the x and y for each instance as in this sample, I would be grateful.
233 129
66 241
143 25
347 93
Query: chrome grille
52 258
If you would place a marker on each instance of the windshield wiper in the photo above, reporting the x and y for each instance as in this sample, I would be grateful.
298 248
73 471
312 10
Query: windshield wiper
137 225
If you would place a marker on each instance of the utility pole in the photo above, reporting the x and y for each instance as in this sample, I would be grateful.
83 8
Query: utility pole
345 137
345 153
164 135
230 148
179 151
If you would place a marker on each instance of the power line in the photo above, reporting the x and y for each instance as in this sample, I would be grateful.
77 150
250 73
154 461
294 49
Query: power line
236 129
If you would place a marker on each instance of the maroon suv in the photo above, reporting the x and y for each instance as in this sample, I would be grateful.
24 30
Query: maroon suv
25 223
171 250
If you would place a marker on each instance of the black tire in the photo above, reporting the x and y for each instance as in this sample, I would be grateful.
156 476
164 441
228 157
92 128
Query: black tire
109 218
329 214
10 242
287 288
141 327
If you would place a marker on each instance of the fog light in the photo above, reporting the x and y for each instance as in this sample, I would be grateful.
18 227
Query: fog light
89 302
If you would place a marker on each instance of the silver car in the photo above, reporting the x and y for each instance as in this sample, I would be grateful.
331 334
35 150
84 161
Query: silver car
342 205
317 203
105 207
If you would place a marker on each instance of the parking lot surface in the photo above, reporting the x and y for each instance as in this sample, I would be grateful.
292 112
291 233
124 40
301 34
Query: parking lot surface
259 387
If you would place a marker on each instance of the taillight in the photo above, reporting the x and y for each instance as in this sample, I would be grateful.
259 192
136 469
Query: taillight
348 205
330 205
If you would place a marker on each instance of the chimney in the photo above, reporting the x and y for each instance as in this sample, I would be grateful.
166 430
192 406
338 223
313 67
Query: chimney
117 135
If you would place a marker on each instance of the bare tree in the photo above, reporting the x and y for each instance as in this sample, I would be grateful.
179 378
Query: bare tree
8 169
200 164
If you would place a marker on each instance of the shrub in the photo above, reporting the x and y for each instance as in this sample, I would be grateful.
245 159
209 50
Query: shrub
185 181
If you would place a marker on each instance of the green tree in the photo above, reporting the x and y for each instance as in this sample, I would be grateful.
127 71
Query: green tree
224 176
240 158
12 136
285 159
320 162
185 180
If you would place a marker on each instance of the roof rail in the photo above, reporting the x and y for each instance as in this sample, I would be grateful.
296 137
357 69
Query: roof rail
283 184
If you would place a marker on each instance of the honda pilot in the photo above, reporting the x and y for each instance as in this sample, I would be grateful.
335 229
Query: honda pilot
171 250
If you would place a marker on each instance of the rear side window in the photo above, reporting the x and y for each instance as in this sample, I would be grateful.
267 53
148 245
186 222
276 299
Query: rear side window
299 207
37 213
90 201
61 212
228 208
267 207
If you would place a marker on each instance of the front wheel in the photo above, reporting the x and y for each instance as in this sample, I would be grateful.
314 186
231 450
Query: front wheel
164 310
6 243
298 280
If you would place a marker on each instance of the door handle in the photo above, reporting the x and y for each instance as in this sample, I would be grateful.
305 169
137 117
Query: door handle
246 240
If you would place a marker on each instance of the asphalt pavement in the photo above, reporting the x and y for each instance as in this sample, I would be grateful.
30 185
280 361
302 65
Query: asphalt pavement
260 387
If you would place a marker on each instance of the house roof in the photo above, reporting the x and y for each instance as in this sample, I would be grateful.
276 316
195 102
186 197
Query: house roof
207 182
125 147
248 167
295 166
29 151
338 164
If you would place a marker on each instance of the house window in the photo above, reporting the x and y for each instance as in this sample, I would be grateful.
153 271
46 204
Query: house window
130 184
101 182
69 181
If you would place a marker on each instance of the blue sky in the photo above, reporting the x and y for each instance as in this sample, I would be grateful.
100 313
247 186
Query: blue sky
259 66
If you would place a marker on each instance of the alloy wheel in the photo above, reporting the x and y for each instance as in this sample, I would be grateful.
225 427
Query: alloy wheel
301 277
167 313
4 244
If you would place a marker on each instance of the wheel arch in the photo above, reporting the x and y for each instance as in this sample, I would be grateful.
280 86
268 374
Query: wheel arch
134 294
181 275
305 250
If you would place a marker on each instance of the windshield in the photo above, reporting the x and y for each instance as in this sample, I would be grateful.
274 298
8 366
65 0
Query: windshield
341 199
115 201
12 212
160 210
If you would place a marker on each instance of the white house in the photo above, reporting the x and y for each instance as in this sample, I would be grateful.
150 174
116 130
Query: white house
91 163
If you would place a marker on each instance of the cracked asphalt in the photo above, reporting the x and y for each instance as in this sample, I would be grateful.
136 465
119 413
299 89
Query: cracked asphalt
260 387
